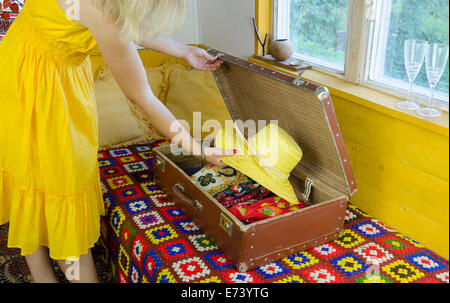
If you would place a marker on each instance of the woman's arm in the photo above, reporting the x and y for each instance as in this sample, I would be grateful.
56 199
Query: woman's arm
198 58
127 68
166 46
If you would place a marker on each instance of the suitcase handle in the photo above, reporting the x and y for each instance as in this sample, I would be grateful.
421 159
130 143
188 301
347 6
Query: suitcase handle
178 190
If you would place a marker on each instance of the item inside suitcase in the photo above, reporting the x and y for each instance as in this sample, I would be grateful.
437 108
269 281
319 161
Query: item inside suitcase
247 200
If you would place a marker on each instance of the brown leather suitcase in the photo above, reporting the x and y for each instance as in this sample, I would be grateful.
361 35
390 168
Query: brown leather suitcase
306 112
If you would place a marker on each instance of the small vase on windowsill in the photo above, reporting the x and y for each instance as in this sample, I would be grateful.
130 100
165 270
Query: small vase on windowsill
281 49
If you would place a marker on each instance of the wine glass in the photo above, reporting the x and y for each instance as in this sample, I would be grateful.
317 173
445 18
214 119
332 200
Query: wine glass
436 55
414 52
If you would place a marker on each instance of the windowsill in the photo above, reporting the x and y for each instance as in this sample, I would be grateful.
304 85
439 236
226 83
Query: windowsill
368 97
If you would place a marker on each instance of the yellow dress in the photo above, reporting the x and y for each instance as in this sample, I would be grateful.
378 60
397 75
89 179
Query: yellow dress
50 189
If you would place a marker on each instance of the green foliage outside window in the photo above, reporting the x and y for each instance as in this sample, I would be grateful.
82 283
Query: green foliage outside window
318 28
416 19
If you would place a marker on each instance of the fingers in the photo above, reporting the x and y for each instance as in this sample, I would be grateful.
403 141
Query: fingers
212 60
216 64
219 152
221 164
208 56
211 67
230 152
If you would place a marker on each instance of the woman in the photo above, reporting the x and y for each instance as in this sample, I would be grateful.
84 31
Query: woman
49 180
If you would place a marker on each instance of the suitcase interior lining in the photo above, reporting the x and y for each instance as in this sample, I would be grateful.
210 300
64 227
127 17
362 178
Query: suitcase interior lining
251 96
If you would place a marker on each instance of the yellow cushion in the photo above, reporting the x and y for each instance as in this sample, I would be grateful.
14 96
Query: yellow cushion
117 125
192 91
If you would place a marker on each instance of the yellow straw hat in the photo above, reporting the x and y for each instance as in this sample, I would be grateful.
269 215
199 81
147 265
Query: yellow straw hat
268 157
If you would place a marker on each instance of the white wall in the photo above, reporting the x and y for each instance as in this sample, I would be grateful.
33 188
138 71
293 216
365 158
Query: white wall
226 25
189 33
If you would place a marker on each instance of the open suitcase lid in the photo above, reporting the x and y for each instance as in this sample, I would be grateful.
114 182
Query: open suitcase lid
303 109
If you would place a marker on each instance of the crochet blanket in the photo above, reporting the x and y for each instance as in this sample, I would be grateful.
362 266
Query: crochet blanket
146 238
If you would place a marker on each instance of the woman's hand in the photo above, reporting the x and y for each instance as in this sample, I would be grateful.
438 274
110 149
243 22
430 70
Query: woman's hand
199 59
214 156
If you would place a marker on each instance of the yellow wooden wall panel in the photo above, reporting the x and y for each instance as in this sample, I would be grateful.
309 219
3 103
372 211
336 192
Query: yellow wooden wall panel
389 173
404 168
401 180
423 193
402 218
417 147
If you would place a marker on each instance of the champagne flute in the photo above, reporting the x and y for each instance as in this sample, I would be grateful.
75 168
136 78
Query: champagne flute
436 55
414 53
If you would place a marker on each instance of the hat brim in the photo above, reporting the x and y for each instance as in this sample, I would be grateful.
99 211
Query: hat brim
247 164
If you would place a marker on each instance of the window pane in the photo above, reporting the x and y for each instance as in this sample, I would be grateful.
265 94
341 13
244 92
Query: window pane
415 19
318 29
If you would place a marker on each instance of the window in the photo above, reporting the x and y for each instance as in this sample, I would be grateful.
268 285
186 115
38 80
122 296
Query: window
318 30
399 20
328 33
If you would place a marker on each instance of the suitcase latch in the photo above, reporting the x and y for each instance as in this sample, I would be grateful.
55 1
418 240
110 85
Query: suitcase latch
298 81
159 163
226 224
308 185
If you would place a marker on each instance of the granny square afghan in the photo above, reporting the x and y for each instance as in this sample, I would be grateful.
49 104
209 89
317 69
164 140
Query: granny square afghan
146 238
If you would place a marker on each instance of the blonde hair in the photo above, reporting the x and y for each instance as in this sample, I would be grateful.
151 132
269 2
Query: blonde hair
143 19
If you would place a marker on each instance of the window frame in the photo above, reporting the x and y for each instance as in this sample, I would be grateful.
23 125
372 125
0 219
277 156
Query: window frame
363 26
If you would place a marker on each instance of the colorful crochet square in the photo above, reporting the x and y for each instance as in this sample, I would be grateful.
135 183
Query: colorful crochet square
118 182
191 269
326 251
161 234
137 206
128 159
143 176
105 163
368 229
187 226
402 271
111 171
273 270
120 152
173 213
300 260
349 265
322 274
176 249
218 260
129 193
146 238
148 219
